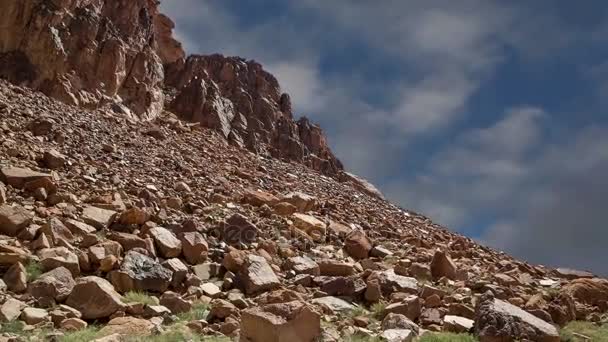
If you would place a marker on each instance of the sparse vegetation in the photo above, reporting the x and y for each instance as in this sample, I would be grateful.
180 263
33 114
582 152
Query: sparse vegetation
447 337
33 269
15 327
139 297
199 311
378 309
87 334
579 331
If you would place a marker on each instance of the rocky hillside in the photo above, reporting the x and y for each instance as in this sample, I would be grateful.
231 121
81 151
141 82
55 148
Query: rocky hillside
190 206
116 53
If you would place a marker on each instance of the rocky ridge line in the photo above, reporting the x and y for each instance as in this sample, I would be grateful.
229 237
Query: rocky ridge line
121 54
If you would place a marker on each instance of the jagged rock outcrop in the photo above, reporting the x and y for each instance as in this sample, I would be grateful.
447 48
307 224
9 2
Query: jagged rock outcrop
85 52
244 102
96 53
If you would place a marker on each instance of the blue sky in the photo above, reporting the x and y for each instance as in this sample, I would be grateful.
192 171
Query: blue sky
487 116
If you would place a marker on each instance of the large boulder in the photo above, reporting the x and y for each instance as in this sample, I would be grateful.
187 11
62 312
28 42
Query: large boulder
55 285
139 272
51 258
18 177
390 282
166 242
588 291
257 275
13 219
95 298
303 202
238 229
310 225
357 245
443 266
292 321
128 326
194 246
98 217
16 278
496 320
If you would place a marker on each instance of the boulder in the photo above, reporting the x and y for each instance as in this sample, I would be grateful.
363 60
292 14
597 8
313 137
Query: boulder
443 266
53 159
588 291
98 217
168 245
237 229
13 219
357 245
16 278
73 324
329 267
11 309
292 321
310 225
79 228
57 233
51 258
134 216
301 201
302 265
56 285
18 177
175 303
496 320
398 321
128 241
390 282
397 335
33 316
258 198
333 304
257 275
95 298
139 272
128 326
178 269
571 274
220 309
410 307
457 324
194 246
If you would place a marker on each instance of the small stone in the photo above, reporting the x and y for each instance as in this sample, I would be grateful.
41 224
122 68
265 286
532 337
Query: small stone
443 266
310 225
457 324
11 309
54 160
357 245
73 324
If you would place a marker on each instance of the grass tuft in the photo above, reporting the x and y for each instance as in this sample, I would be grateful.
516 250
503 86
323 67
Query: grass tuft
139 297
199 311
89 333
14 327
574 332
33 269
378 309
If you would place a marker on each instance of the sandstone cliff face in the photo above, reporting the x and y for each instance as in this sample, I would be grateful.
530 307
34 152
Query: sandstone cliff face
84 52
92 53
244 102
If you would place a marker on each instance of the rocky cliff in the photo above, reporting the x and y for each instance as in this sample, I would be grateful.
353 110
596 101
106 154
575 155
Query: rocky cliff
94 53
